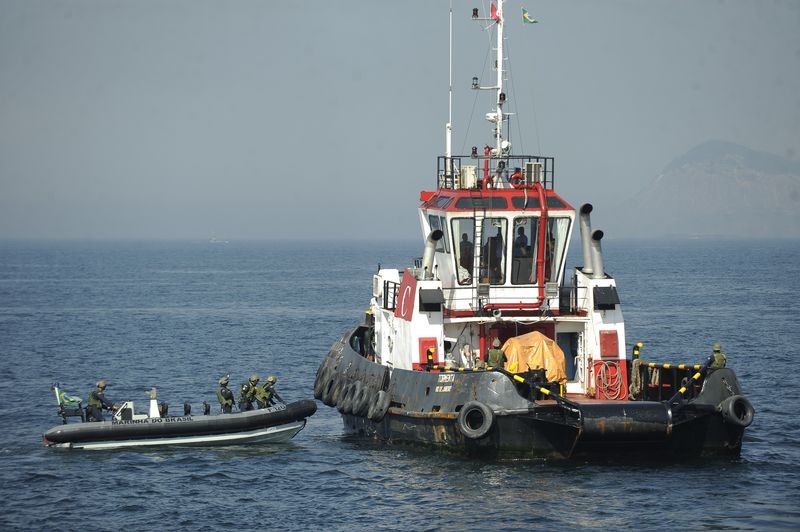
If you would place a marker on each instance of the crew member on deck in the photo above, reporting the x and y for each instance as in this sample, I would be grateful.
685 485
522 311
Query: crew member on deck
225 396
466 249
97 402
496 358
719 357
266 394
521 243
248 393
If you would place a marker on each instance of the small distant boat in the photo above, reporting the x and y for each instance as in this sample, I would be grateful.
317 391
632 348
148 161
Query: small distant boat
278 423
215 240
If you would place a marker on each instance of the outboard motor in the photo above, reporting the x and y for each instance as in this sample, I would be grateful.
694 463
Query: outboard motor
430 249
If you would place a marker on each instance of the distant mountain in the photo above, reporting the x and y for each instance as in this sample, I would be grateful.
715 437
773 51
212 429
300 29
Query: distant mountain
717 189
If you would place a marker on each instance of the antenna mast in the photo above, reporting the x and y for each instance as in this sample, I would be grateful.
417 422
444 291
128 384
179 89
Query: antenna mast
496 117
500 95
449 126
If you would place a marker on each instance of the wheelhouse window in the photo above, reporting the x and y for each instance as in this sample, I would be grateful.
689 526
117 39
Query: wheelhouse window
523 250
556 235
493 259
464 247
435 223
445 237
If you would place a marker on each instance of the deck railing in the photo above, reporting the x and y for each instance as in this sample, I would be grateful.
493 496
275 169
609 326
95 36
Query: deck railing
467 172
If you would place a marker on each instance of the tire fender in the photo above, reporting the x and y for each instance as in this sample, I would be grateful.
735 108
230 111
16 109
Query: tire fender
360 401
338 391
356 395
380 404
329 390
475 420
737 410
320 383
348 394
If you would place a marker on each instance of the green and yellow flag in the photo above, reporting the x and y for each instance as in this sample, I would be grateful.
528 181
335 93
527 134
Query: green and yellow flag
527 18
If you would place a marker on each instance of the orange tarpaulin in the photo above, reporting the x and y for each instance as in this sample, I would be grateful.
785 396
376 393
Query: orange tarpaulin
534 351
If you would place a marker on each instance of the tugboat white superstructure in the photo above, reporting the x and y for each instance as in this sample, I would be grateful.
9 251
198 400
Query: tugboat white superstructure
492 276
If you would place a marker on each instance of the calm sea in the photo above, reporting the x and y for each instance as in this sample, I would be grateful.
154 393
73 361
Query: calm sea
178 315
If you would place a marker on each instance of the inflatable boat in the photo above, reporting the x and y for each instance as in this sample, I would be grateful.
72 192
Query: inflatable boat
278 423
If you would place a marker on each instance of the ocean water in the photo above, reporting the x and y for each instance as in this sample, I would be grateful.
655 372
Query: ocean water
178 315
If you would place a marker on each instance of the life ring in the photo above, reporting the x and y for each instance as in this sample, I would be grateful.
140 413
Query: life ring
737 410
517 180
475 420
328 390
379 406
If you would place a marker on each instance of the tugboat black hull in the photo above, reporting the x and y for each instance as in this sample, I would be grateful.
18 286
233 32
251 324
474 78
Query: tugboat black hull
483 414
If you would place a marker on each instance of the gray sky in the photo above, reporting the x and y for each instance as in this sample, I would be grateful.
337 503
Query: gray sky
254 119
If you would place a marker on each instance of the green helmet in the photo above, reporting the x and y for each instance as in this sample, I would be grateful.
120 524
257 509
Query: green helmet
225 380
254 378
272 379
716 347
102 383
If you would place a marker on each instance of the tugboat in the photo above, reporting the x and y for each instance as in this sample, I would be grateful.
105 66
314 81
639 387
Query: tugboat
487 347
278 423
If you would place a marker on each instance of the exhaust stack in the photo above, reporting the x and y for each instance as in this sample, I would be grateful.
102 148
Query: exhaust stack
586 238
597 256
430 249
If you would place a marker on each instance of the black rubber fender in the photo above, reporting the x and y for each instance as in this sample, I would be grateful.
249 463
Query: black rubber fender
380 404
475 420
320 372
320 383
737 410
361 399
338 391
345 404
353 400
329 389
